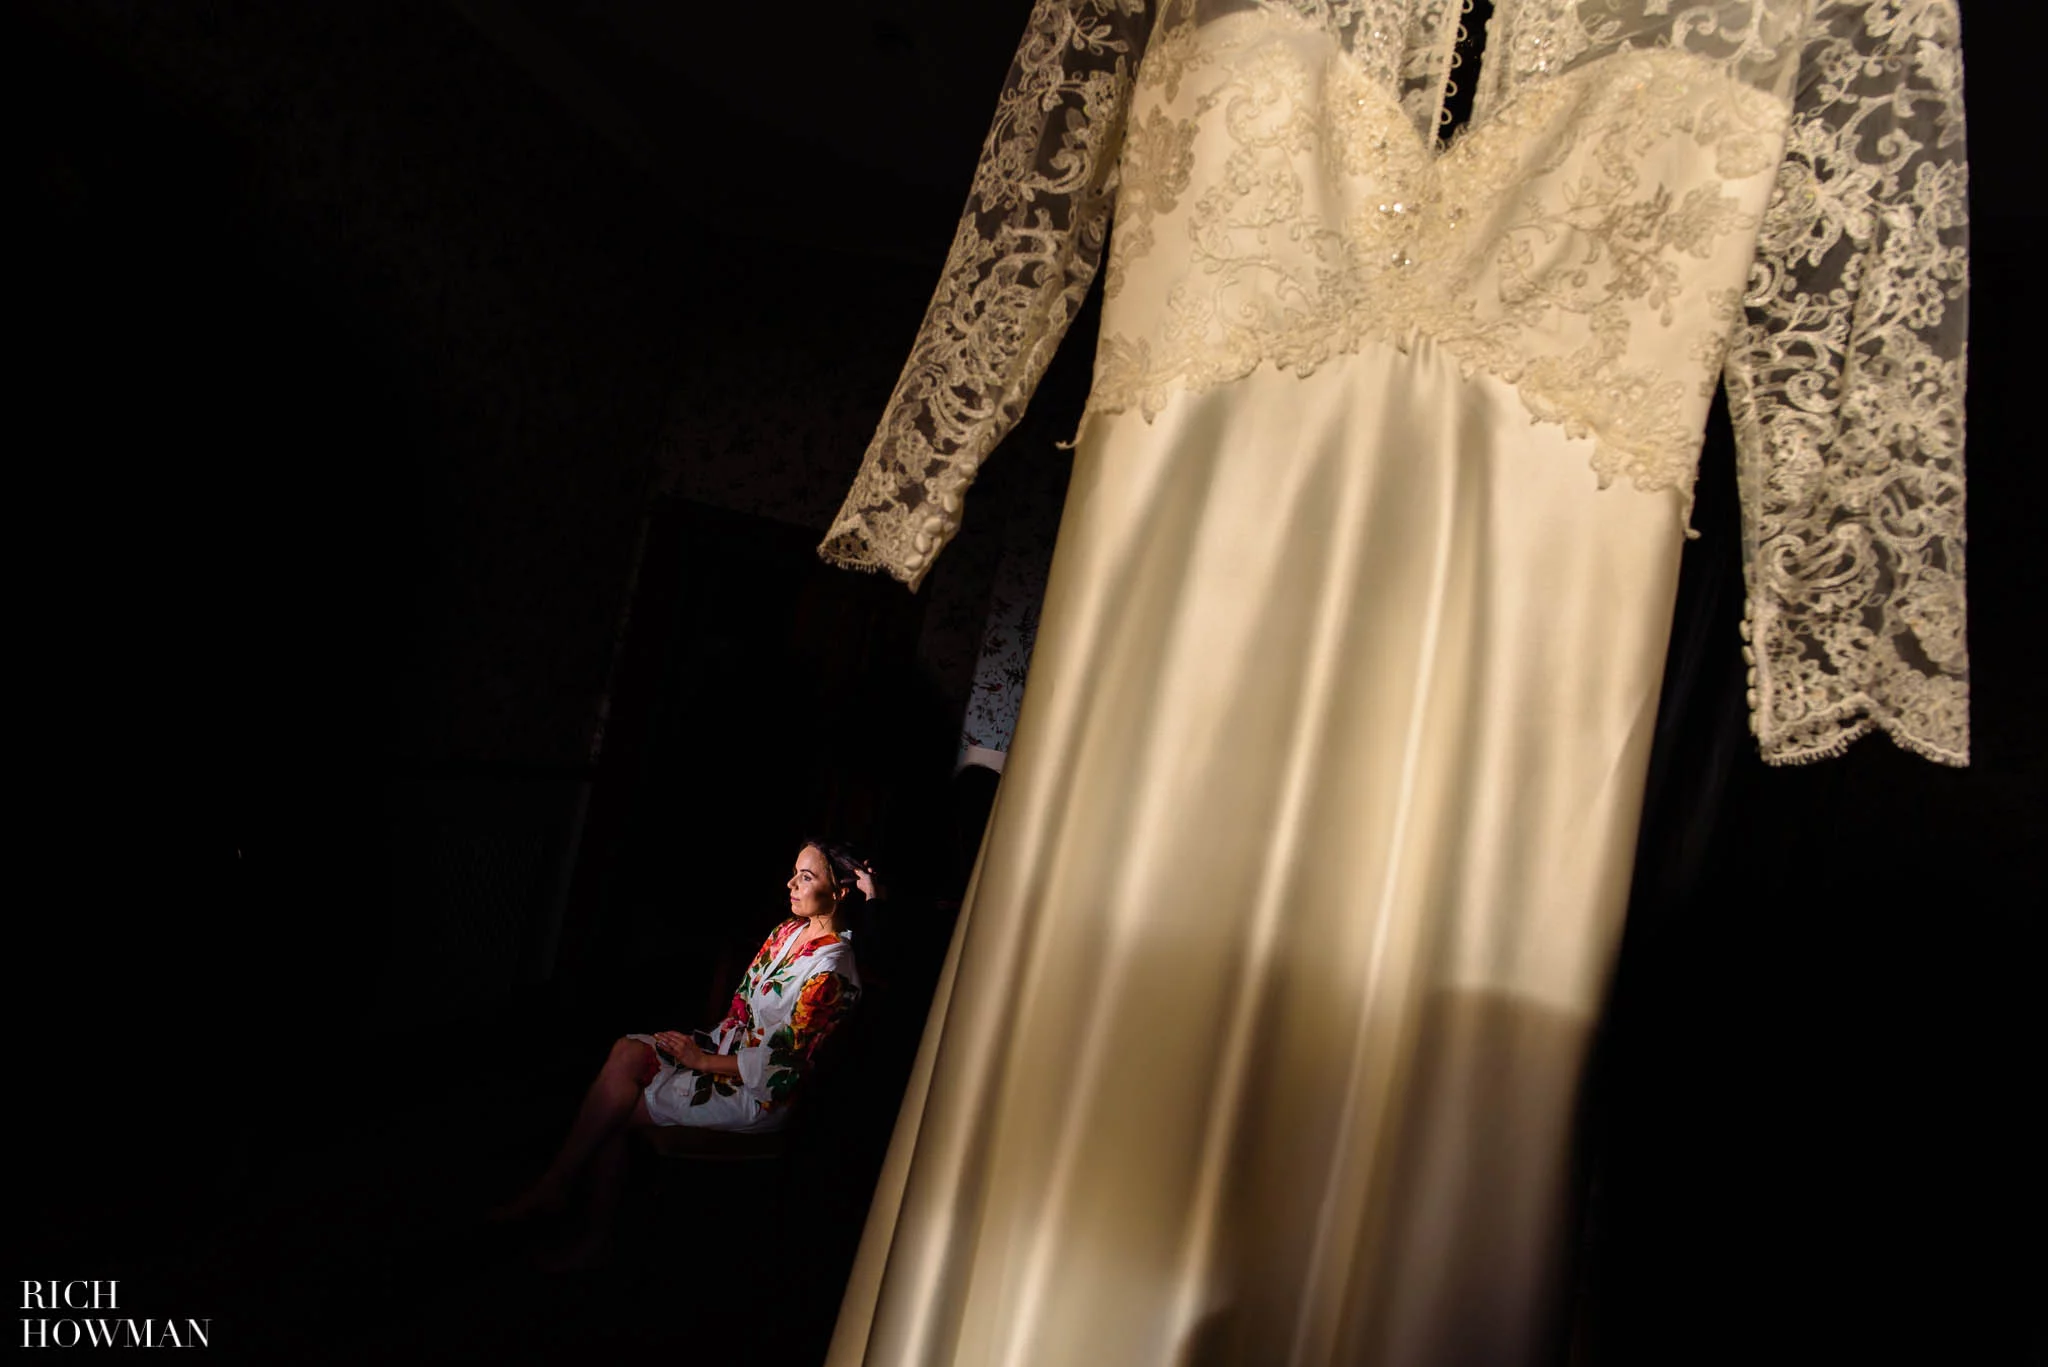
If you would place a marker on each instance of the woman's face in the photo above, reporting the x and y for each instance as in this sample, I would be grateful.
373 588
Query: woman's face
811 891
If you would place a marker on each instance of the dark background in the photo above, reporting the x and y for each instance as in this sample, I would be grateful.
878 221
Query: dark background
423 416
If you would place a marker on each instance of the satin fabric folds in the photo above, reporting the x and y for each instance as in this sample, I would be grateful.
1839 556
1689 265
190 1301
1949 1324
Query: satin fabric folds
1261 1032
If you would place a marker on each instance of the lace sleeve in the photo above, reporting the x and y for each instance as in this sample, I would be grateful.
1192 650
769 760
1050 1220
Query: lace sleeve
1027 248
1846 386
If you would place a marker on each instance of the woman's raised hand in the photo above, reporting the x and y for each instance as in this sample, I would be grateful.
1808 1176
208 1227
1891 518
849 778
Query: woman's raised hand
864 879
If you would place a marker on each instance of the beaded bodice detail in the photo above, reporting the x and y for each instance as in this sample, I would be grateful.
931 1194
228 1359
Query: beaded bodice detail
1585 238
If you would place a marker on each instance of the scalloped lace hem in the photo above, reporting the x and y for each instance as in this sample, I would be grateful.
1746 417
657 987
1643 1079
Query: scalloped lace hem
1847 727
852 545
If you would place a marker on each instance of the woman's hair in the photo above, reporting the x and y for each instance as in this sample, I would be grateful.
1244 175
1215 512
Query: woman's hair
845 862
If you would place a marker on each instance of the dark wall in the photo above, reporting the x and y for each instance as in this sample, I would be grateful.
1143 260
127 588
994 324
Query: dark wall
365 359
349 366
495 336
355 362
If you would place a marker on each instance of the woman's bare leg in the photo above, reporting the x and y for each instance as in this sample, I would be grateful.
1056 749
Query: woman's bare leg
613 1101
607 1166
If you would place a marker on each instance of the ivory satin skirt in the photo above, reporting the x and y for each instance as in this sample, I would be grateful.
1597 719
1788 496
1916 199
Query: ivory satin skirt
1262 1028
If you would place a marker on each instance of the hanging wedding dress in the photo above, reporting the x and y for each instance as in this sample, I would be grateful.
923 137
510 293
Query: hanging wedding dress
1261 1032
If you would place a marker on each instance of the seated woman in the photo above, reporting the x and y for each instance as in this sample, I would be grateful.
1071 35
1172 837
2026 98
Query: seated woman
745 1074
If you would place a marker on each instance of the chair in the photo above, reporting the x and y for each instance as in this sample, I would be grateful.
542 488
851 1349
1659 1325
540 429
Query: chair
719 1146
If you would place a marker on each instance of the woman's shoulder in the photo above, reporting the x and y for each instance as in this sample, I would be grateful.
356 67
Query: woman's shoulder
829 953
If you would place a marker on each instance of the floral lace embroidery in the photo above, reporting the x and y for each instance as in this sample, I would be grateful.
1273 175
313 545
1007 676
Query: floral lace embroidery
1158 158
1037 219
1020 265
1547 246
1847 388
1585 239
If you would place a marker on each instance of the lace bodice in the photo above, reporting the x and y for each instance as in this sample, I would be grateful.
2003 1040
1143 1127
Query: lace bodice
1651 195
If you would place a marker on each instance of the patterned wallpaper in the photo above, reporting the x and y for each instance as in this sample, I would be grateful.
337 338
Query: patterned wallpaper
772 419
1011 625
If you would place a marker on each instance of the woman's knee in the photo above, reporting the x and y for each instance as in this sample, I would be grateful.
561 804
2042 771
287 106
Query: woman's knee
633 1061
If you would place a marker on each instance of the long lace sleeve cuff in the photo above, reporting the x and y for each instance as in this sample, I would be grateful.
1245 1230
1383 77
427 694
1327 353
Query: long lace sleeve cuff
1846 386
1027 248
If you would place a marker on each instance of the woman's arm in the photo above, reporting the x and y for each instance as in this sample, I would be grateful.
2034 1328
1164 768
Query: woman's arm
869 887
822 1004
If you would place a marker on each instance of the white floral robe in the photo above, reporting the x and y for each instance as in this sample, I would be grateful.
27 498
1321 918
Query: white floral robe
792 999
